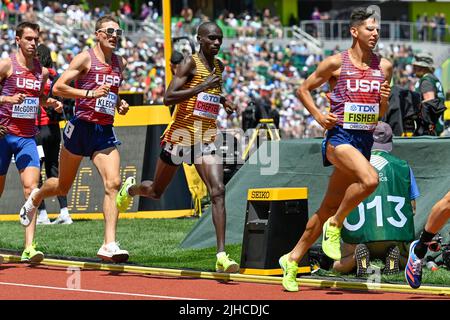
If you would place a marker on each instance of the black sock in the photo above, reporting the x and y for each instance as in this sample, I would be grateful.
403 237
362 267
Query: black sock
422 246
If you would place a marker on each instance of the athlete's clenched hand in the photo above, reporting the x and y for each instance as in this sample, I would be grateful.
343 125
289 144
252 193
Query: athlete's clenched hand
327 121
123 107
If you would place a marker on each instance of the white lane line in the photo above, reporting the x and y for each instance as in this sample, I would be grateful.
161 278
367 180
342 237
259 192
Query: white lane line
96 291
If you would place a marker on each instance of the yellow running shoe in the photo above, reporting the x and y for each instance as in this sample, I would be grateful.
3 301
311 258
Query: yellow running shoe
331 241
290 269
123 199
225 264
31 255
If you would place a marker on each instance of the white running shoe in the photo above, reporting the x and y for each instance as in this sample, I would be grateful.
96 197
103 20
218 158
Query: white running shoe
28 210
43 219
112 252
63 219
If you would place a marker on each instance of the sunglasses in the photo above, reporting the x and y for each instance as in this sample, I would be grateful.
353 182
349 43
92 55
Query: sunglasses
111 31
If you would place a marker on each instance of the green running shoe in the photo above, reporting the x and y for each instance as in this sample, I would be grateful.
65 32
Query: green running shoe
331 241
225 264
123 199
31 255
290 269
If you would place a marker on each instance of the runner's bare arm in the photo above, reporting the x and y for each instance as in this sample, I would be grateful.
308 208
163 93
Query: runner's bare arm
175 92
3 131
323 73
79 66
122 106
5 72
385 89
45 100
5 68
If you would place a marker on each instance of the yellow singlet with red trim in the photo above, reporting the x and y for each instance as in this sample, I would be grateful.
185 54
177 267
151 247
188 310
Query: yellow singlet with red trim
194 120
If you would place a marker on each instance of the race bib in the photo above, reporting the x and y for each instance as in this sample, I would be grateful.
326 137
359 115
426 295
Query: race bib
68 130
171 148
207 105
107 104
28 109
360 116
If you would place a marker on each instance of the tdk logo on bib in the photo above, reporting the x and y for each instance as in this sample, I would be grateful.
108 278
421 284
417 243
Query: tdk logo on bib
108 79
363 108
28 84
210 98
361 85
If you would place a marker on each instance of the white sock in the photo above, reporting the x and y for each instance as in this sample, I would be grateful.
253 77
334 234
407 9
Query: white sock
221 254
29 203
42 213
64 212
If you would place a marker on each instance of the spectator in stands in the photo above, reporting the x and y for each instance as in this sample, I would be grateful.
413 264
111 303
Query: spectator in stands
396 193
315 16
425 23
442 27
125 9
434 27
49 140
419 27
432 95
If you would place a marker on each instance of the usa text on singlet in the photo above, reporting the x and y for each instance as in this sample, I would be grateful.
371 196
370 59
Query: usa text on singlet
356 97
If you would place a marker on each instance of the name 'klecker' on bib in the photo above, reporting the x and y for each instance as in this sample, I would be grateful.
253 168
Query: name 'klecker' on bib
207 105
360 116
107 104
28 109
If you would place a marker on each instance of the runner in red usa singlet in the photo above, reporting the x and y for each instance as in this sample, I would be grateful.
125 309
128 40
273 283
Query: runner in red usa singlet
22 79
102 109
97 73
355 99
359 81
20 117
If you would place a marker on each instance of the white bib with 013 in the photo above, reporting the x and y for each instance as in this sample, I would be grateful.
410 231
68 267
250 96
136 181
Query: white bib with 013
360 116
28 109
106 104
207 105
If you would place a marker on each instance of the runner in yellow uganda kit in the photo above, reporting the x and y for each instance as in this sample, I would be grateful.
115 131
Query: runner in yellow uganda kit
196 89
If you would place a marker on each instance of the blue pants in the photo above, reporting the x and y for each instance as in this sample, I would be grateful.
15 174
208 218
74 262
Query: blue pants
24 151
360 139
85 138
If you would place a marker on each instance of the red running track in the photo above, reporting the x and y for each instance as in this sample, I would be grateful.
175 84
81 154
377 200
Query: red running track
21 281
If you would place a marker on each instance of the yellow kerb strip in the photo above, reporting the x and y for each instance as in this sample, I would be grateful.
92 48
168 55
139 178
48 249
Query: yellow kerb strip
271 272
128 215
381 287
